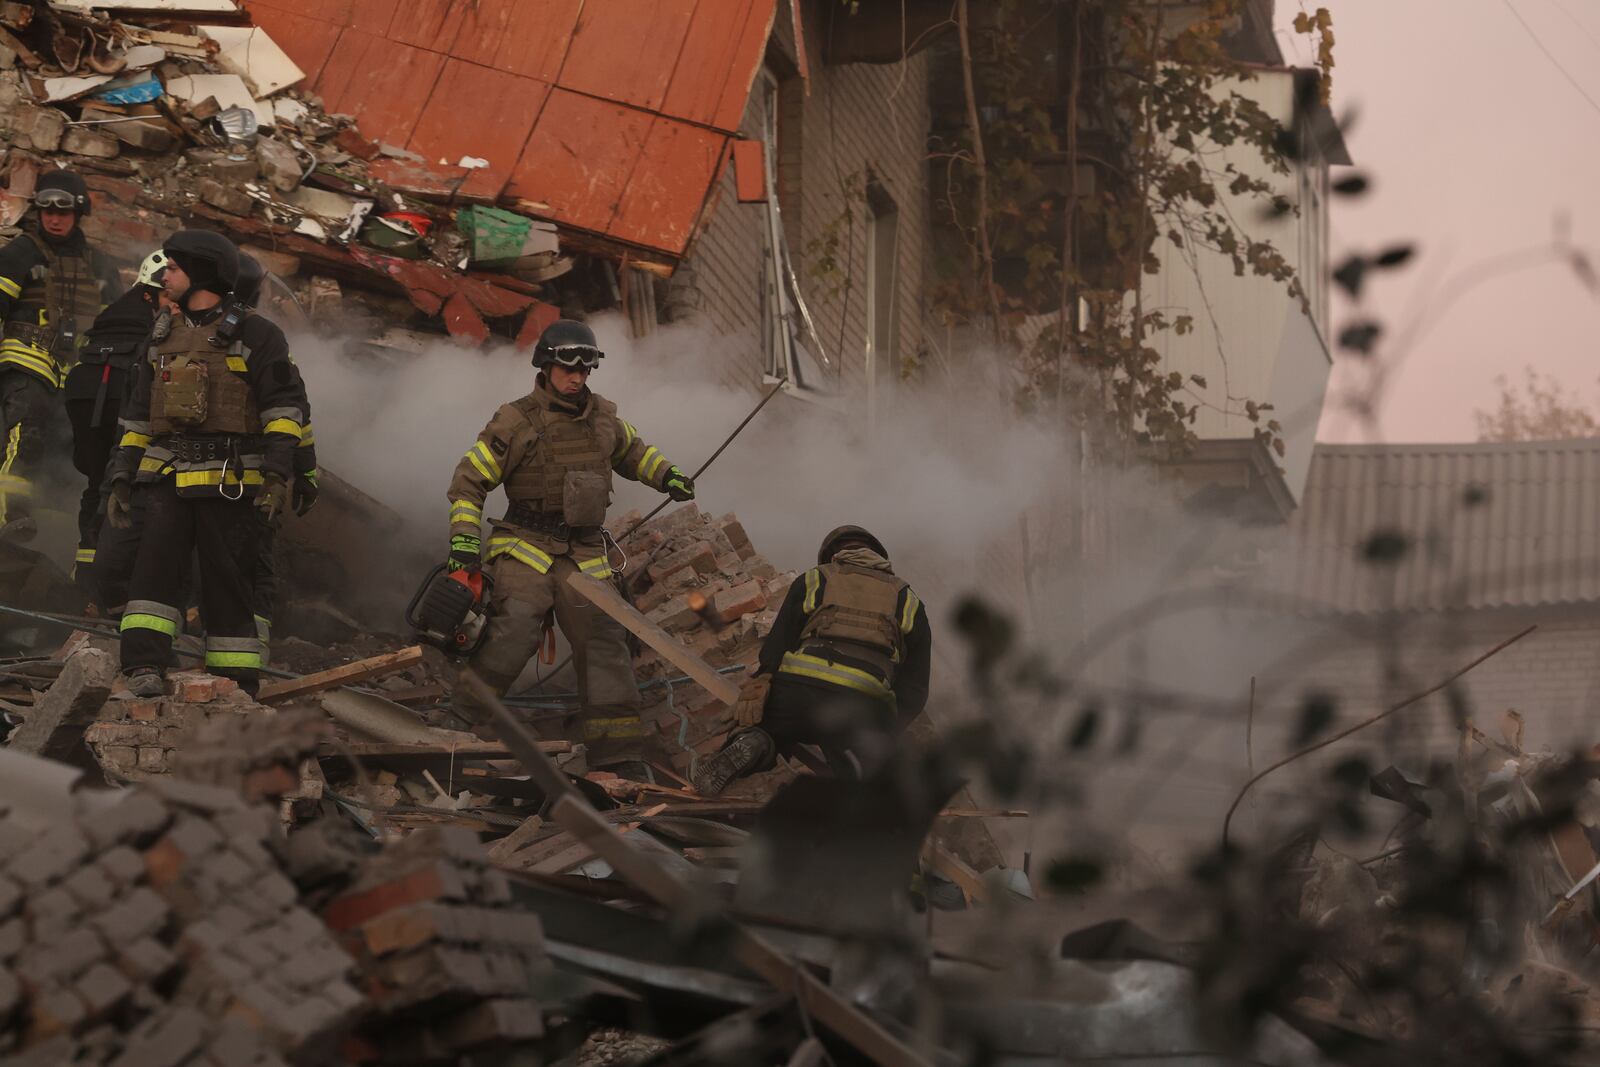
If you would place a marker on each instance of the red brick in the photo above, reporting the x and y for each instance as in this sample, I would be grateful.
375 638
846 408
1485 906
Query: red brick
431 883
731 604
700 556
152 759
144 710
201 690
163 862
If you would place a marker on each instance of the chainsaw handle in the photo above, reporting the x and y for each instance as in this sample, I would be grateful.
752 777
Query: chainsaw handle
416 598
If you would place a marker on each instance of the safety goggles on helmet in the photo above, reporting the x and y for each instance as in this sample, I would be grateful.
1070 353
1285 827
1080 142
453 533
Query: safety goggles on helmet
55 199
570 356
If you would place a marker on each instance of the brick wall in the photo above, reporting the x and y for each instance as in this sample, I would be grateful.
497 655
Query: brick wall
858 121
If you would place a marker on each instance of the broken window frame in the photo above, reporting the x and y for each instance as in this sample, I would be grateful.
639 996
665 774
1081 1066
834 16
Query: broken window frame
790 339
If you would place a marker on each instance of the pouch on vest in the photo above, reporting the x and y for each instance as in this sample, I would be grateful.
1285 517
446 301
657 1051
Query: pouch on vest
584 496
183 387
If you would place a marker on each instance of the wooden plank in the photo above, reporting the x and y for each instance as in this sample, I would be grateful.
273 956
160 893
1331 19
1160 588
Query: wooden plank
607 599
347 674
951 866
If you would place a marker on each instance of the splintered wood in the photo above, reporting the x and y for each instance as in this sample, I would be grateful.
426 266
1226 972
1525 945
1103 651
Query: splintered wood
361 670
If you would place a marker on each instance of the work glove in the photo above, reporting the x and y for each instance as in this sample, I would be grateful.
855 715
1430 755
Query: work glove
679 486
752 700
273 498
119 506
305 492
465 552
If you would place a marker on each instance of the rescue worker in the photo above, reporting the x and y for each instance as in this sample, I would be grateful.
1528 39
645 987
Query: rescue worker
52 285
95 389
845 667
555 451
209 436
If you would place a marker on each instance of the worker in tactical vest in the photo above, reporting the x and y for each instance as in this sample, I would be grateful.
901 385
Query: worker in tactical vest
95 388
52 285
845 667
555 451
209 436
116 549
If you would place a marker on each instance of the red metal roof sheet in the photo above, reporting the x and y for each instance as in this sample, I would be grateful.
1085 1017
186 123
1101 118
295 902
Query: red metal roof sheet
616 114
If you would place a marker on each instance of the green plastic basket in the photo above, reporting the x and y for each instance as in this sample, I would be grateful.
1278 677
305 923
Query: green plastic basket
495 234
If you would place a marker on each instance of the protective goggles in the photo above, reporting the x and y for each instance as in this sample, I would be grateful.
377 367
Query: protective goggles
585 356
57 199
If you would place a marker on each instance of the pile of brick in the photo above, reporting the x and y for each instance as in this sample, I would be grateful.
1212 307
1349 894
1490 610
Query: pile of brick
134 739
448 961
154 926
701 580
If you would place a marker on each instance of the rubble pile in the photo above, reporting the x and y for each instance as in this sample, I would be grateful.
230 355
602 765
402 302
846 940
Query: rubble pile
702 581
176 120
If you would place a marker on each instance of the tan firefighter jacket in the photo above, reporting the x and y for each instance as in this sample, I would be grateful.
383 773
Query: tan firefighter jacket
555 459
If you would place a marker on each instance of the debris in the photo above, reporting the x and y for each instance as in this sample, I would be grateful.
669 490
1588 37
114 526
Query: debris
254 56
349 674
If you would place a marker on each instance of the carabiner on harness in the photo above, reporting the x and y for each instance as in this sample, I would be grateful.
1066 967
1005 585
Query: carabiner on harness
611 542
222 486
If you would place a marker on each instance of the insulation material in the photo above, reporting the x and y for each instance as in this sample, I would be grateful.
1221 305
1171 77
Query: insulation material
250 53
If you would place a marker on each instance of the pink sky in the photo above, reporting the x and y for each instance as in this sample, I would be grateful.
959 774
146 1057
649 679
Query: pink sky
1475 144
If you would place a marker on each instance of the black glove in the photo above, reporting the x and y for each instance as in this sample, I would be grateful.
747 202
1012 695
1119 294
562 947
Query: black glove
273 498
465 552
119 505
679 486
305 492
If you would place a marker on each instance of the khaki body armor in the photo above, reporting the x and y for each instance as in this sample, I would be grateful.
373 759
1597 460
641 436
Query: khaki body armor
59 300
568 469
855 630
199 387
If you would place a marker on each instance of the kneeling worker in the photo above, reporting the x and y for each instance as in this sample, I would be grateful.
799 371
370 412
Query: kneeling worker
844 668
555 451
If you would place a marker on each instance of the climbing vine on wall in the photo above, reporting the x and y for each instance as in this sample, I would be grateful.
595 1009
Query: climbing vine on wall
1092 146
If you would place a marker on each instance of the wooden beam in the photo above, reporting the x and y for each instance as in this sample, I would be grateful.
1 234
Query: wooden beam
336 677
951 866
786 975
605 597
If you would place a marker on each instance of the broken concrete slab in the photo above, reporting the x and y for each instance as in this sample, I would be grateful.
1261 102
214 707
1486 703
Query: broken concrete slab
55 727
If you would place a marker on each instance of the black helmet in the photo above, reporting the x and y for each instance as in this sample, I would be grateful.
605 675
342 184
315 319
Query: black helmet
247 287
209 259
830 544
62 189
569 343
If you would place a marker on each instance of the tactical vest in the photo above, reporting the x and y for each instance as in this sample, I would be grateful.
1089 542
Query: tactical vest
67 291
568 469
199 385
858 616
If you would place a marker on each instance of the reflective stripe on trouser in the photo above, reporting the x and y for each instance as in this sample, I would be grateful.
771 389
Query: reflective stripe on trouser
606 687
223 534
818 669
26 404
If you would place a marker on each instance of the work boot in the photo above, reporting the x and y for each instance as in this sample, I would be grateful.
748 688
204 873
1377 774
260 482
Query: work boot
19 531
146 682
748 751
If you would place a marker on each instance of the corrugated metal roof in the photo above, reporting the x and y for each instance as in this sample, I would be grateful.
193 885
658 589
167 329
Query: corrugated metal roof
617 114
1481 526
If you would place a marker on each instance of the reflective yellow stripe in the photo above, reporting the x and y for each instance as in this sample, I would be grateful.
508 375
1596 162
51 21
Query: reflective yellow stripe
813 585
85 555
599 567
522 552
237 363
135 440
484 461
654 468
288 426
141 621
650 454
188 479
629 436
236 660
621 726
30 358
148 465
10 288
798 663
15 483
908 617
465 511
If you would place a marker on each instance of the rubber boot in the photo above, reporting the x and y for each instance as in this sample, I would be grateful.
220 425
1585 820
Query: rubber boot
146 682
746 752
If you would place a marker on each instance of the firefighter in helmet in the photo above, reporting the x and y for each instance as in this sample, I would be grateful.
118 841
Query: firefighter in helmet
845 667
210 430
52 285
555 451
95 389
